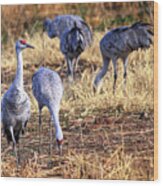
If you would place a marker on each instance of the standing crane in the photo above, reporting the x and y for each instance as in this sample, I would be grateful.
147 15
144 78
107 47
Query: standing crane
15 103
72 45
48 90
119 43
62 27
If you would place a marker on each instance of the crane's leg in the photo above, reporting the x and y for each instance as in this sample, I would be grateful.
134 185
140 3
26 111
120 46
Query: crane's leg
115 74
76 62
102 73
18 151
40 125
14 145
51 137
24 126
50 163
70 69
3 132
125 62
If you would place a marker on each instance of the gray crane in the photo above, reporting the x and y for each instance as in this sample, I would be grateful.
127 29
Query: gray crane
62 27
119 43
72 45
48 90
15 103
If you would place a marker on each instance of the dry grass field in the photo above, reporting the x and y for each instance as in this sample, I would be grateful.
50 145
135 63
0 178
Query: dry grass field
106 136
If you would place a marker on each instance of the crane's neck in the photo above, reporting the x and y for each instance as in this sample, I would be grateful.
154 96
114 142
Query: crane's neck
55 119
19 72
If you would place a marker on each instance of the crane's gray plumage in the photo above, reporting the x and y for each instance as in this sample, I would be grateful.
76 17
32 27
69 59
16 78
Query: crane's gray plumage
73 42
48 90
74 34
119 43
72 45
15 112
15 102
62 23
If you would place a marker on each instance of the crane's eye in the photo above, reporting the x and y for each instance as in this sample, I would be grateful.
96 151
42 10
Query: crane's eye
23 42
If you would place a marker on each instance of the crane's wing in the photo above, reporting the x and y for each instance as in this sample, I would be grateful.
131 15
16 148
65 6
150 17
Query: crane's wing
64 23
123 40
139 35
16 102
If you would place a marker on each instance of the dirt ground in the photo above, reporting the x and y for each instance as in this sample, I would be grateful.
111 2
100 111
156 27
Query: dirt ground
106 136
94 145
102 137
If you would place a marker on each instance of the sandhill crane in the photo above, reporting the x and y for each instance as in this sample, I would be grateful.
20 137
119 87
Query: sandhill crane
16 103
61 27
119 43
72 45
48 90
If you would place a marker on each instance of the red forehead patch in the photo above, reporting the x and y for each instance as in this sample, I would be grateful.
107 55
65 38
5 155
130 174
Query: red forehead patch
23 42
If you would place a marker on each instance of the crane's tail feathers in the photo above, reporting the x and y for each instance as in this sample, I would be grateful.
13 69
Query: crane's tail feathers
88 32
144 34
75 24
144 26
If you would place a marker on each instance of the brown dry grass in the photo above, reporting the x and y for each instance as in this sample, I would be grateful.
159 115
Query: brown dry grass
106 136
18 19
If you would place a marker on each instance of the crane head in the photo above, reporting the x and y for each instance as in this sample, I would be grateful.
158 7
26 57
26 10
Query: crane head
46 24
22 44
59 144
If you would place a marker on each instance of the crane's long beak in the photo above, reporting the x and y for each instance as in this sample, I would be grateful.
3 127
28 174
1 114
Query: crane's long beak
29 46
59 144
